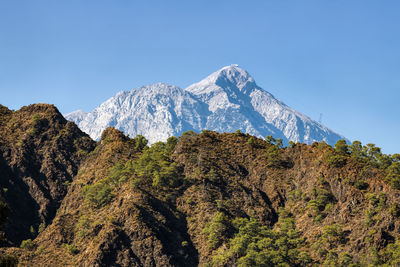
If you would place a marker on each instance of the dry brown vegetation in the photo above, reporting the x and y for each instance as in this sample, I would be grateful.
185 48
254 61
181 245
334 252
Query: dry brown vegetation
206 199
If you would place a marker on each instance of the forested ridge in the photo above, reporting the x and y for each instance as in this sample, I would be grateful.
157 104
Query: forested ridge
201 199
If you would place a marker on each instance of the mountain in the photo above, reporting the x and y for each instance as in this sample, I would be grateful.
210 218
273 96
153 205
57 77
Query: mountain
40 153
208 199
227 100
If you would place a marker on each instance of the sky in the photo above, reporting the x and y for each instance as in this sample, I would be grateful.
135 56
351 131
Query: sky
337 58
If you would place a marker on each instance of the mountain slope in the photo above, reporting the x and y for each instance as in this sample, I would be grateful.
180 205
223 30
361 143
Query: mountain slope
225 101
231 90
40 153
156 111
215 199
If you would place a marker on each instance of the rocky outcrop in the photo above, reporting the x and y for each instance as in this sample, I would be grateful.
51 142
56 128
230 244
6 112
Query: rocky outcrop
40 153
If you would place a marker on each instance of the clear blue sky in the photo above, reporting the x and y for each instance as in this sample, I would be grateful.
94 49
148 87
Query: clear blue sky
338 58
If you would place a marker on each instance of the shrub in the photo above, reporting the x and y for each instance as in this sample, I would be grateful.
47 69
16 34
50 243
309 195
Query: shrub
273 156
216 229
258 245
98 194
336 160
27 244
83 226
140 142
321 198
189 134
251 141
369 217
119 173
394 210
292 144
341 147
391 255
238 132
206 132
361 185
393 175
212 176
155 164
72 249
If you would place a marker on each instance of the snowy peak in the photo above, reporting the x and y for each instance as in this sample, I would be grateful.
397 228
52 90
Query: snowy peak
225 101
235 76
230 77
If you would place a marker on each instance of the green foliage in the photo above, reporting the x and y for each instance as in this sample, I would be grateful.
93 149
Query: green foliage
257 245
270 140
393 175
39 250
391 255
273 153
369 216
361 185
32 230
41 228
83 227
188 134
336 160
320 199
155 164
251 141
98 194
292 144
140 142
341 147
333 234
172 141
119 173
71 248
356 150
238 132
394 210
216 229
273 156
206 132
212 176
331 259
36 117
27 244
136 183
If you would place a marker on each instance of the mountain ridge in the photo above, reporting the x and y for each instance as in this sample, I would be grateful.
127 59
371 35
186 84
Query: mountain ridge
225 101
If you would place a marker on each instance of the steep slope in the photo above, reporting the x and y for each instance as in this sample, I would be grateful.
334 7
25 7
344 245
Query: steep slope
227 100
224 200
236 102
40 153
156 111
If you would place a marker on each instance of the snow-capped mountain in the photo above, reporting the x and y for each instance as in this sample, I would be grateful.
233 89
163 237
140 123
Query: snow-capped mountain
227 100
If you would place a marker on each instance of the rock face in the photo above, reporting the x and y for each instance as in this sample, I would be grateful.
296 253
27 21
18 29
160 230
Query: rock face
40 153
225 101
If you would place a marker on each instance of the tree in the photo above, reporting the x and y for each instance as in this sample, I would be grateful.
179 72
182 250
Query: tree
140 142
341 147
356 150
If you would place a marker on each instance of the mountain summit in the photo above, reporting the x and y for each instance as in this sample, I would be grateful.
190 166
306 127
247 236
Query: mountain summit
227 100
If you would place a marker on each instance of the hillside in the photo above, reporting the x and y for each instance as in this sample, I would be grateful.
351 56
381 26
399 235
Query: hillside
227 100
40 153
209 199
